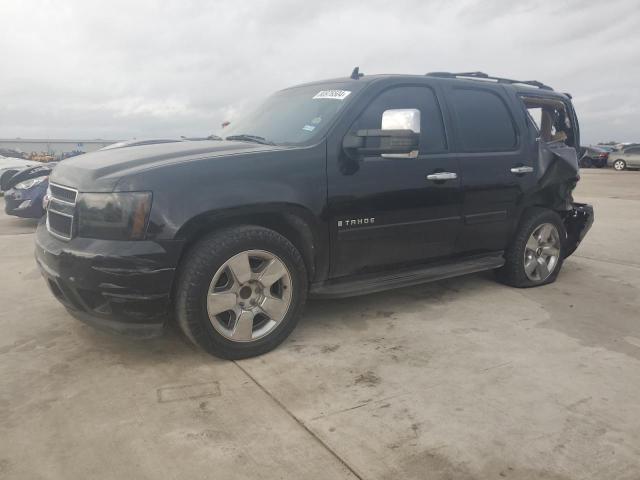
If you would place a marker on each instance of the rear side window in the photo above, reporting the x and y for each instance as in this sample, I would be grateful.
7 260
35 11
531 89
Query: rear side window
634 150
432 137
483 121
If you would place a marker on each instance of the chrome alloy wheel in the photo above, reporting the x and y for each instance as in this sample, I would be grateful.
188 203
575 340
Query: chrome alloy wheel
542 252
249 295
619 165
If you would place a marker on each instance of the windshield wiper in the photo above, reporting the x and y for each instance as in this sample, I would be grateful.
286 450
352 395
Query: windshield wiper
243 137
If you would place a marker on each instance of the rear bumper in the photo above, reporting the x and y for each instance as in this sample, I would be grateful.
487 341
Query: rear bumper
121 287
577 222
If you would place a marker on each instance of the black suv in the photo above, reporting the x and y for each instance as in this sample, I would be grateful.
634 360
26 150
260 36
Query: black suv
330 189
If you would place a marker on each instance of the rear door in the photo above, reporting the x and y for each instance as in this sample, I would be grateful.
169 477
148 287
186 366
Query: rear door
496 161
632 157
388 212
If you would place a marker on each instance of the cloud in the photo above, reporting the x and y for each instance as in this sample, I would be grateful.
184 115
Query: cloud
122 69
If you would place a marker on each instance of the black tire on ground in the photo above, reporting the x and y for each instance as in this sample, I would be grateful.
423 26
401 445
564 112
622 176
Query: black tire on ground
619 165
513 272
197 270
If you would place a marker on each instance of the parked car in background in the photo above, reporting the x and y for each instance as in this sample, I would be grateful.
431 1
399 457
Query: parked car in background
9 166
73 153
26 191
594 156
12 153
607 148
628 157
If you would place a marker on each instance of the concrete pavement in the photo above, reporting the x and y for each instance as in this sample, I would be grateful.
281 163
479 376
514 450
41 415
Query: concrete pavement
463 378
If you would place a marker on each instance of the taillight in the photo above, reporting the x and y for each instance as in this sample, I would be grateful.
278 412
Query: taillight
603 154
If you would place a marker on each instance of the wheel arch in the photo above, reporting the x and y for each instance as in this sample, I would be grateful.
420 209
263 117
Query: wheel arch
616 160
296 223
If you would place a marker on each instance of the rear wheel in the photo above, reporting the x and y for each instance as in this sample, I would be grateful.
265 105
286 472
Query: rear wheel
535 256
241 292
619 165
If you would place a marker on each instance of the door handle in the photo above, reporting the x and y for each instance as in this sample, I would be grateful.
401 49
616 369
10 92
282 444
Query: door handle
442 176
521 169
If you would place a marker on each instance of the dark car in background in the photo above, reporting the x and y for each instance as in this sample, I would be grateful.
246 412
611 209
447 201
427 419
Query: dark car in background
9 166
607 148
26 190
12 153
594 156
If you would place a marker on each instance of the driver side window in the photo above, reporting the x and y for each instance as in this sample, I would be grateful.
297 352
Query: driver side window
399 107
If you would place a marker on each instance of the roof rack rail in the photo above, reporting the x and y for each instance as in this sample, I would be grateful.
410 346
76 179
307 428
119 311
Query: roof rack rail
484 76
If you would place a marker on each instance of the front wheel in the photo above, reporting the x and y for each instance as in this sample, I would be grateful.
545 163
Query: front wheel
619 165
535 256
241 291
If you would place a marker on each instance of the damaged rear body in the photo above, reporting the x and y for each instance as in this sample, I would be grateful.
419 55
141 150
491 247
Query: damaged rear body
553 119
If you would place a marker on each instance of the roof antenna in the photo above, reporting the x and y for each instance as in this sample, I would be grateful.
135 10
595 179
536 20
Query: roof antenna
355 75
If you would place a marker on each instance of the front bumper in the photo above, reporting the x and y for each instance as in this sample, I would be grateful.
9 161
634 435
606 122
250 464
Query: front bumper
577 223
119 286
23 204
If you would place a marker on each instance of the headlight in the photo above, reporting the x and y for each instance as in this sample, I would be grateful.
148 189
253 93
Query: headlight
46 198
113 216
27 184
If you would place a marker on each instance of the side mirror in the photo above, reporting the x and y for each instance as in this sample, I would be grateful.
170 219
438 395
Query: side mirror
401 119
399 136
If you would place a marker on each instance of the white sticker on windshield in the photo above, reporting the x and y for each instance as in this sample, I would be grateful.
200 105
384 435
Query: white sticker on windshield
333 94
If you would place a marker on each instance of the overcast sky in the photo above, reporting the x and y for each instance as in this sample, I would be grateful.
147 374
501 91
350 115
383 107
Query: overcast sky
122 69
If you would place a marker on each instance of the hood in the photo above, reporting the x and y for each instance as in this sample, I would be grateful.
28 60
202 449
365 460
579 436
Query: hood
40 170
11 162
100 171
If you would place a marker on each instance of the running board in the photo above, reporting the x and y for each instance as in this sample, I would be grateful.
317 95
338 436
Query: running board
362 285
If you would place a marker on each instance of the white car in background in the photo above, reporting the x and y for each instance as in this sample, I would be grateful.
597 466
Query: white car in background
11 165
626 157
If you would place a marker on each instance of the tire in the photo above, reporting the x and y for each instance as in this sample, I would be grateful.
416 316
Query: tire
619 165
520 255
233 268
586 162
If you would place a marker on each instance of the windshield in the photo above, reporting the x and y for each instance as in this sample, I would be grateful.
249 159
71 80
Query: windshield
294 116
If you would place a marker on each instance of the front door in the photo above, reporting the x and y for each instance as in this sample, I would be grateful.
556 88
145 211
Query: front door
393 211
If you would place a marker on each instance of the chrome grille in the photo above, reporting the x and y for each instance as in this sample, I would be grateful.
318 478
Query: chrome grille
61 211
64 194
